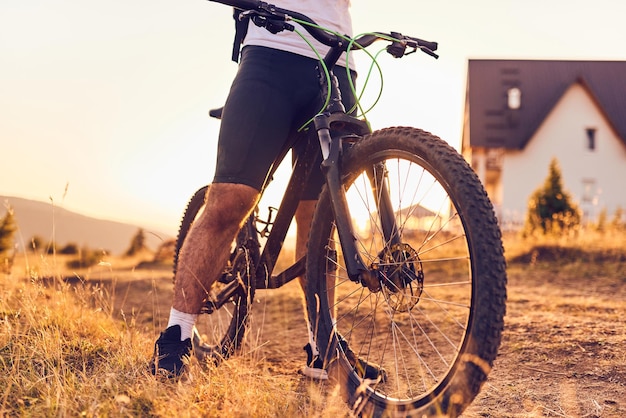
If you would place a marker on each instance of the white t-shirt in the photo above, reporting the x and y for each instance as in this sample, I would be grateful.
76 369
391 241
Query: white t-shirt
331 14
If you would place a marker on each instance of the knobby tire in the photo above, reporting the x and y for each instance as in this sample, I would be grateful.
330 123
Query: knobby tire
435 326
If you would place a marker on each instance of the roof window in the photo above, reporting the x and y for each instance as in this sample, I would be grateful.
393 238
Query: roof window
514 98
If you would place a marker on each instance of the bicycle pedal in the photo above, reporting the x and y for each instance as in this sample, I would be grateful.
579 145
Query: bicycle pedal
208 307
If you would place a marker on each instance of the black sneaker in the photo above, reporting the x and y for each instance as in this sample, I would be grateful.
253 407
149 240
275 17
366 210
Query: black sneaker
170 353
314 365
363 368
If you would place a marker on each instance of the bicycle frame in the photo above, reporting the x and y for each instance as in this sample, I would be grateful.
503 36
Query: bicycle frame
286 211
333 127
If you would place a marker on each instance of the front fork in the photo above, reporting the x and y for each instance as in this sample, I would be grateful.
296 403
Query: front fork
331 152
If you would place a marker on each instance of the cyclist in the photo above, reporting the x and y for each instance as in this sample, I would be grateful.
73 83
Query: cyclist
275 91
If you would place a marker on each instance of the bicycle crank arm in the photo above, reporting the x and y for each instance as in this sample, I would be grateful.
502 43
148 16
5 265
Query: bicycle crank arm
212 305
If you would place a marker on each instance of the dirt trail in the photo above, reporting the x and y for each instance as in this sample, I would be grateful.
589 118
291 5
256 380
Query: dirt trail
563 352
564 349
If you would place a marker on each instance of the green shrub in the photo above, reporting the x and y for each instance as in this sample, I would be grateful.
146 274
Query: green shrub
69 249
137 244
601 223
8 226
550 208
36 243
86 258
617 222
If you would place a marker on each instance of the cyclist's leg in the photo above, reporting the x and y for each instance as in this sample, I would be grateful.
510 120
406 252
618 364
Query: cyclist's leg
202 258
256 122
203 254
255 125
303 217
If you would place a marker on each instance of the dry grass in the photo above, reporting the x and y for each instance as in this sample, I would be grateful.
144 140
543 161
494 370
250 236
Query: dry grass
77 343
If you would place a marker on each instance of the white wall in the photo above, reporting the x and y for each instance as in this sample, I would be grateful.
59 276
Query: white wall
563 135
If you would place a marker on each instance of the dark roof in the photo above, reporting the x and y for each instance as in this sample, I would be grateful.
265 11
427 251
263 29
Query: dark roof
542 83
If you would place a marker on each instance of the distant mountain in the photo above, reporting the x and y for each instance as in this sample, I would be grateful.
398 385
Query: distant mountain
50 222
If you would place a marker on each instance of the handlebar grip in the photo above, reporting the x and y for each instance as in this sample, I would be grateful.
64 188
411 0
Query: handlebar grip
431 45
426 44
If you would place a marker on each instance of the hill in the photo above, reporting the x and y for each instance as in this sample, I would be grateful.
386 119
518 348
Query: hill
53 223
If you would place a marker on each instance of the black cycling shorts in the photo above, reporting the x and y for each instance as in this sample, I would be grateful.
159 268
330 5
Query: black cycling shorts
273 94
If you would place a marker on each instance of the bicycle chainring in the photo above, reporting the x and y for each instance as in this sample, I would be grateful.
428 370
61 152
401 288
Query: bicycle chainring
238 271
243 268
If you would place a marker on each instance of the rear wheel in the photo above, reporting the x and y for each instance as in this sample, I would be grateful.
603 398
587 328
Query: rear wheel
220 333
434 323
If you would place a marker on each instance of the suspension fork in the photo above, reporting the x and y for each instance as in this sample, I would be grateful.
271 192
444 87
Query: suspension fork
331 152
378 180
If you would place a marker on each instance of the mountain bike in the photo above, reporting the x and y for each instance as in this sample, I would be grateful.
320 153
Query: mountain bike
404 264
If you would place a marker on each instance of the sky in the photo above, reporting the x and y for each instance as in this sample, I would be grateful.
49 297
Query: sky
104 104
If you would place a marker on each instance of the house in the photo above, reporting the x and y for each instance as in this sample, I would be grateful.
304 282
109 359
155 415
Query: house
520 114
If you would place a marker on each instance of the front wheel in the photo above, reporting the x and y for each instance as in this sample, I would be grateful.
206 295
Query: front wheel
426 229
220 333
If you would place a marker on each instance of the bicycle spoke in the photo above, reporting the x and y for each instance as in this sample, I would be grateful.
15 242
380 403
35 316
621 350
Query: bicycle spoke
420 337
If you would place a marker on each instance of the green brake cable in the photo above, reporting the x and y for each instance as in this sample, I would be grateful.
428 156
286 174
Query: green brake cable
327 73
374 63
374 59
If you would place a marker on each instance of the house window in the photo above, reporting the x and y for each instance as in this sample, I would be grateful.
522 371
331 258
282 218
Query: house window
591 139
494 158
589 191
514 98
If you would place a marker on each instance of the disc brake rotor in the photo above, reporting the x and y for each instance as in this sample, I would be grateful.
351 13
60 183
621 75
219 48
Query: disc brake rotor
402 276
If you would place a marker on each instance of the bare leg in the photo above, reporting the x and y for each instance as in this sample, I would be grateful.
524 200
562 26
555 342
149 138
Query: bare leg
304 217
202 259
206 248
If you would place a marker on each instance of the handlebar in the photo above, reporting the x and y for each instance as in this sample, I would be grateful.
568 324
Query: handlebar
275 20
240 4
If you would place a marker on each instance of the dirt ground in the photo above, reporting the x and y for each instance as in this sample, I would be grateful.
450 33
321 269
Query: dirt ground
563 352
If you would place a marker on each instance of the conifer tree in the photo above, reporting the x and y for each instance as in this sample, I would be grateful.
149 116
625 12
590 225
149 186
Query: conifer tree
137 244
551 208
8 226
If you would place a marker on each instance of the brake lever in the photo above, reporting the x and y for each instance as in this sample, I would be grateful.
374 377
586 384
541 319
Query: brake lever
397 49
399 46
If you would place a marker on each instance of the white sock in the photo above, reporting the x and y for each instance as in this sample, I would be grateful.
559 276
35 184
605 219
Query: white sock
184 320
